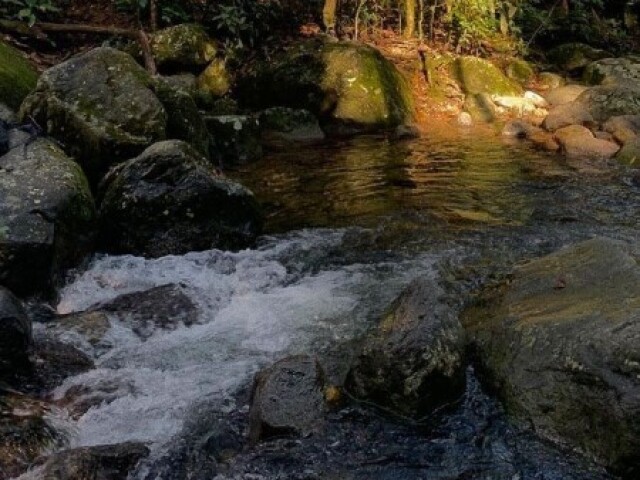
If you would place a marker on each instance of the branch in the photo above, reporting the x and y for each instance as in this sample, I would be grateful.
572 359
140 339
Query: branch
39 28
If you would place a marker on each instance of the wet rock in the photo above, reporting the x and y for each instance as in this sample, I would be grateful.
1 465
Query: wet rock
17 76
101 105
623 128
610 101
518 128
215 79
350 87
281 124
169 200
413 362
565 94
90 325
573 57
47 216
236 138
15 333
55 361
25 433
103 462
629 154
165 307
579 142
566 115
525 130
613 71
287 398
559 343
406 132
182 46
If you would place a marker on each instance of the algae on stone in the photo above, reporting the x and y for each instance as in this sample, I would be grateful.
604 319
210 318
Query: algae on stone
476 75
184 45
17 76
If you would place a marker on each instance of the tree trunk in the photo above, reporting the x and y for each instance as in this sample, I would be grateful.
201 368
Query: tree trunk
329 13
410 9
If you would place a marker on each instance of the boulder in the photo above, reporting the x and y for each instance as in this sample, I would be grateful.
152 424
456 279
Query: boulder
520 71
169 200
89 325
560 344
629 154
15 333
573 57
610 101
564 94
413 362
283 125
184 46
101 105
623 128
47 216
215 79
477 75
579 142
102 462
54 361
287 398
613 71
350 86
480 107
550 81
566 115
236 138
17 76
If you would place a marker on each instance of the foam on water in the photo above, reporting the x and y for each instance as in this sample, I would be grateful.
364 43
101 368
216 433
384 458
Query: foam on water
254 306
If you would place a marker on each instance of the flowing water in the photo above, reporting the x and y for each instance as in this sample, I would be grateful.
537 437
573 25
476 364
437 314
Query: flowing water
349 225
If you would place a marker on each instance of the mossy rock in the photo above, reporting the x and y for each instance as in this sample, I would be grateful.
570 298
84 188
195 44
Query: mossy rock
17 76
186 45
476 75
605 102
215 79
343 83
550 80
613 71
520 71
481 107
572 57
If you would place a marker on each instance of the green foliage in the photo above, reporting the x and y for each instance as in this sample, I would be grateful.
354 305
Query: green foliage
29 11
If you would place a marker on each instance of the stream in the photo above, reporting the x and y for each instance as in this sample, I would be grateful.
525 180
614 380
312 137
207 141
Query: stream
349 224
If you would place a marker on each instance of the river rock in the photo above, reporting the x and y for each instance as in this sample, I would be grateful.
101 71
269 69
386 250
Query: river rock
47 216
520 70
567 114
103 462
481 107
413 362
281 124
579 142
629 154
236 138
287 398
15 333
54 361
537 135
560 343
573 57
477 75
565 94
610 101
350 87
169 200
165 307
17 76
623 128
550 81
182 46
613 71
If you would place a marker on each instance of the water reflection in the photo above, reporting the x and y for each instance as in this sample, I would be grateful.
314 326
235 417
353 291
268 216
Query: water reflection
461 178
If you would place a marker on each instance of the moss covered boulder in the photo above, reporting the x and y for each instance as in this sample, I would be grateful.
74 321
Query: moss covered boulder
573 57
610 101
560 344
521 71
345 84
215 79
182 46
613 71
170 200
477 75
46 216
17 76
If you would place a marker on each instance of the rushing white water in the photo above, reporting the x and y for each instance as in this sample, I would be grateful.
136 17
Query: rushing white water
254 306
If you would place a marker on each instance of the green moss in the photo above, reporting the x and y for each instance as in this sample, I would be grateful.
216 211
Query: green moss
476 75
17 76
520 71
185 44
215 79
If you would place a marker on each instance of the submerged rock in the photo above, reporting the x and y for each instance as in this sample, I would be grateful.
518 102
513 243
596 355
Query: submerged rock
349 86
47 216
15 333
413 363
17 76
559 343
169 200
103 462
288 398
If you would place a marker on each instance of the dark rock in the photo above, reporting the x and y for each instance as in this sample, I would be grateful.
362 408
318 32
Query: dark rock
15 333
163 307
281 125
610 101
560 343
54 361
287 398
413 362
104 462
236 138
169 200
573 57
182 46
47 216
